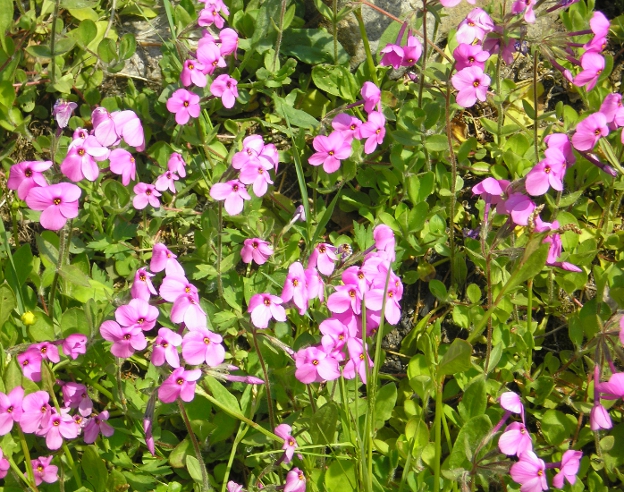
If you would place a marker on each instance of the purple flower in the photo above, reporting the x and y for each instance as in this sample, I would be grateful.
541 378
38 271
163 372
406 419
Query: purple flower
97 425
62 111
568 469
233 192
201 346
295 481
330 151
43 470
184 104
145 194
371 94
530 473
180 384
26 175
142 287
224 87
315 366
472 84
290 443
256 249
263 307
125 339
58 203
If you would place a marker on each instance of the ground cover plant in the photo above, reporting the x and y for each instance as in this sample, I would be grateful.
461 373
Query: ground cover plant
276 268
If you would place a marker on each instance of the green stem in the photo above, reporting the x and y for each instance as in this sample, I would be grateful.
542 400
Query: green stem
449 136
266 380
437 429
72 464
530 321
59 265
240 435
55 15
94 384
202 466
280 33
30 483
369 55
425 54
219 248
535 123
29 468
335 28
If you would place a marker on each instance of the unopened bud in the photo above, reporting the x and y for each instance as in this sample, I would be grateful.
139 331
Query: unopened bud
28 318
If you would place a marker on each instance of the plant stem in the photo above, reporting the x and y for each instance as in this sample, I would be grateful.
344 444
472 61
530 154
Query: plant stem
72 464
535 124
202 466
18 473
266 379
280 33
453 160
335 26
369 54
425 54
529 320
219 248
29 468
437 429
59 265
52 74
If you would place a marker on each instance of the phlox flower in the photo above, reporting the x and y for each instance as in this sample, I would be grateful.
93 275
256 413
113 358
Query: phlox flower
561 142
593 64
472 84
526 7
346 297
371 95
374 131
295 287
30 362
193 73
323 257
610 106
149 438
511 402
164 348
589 131
36 411
546 173
347 125
515 440
375 301
27 175
599 418
137 314
315 366
315 284
174 286
180 384
125 339
264 307
201 346
48 351
60 426
295 481
233 192
62 112
358 358
224 87
146 194
234 487
43 470
58 203
411 52
290 443
453 3
184 104
10 409
256 249
166 181
96 425
209 55
186 309
110 128
600 26
384 240
519 207
210 15
568 469
392 55
80 161
142 287
335 334
330 150
529 472
249 155
4 465
75 395
257 176
475 26
176 164
123 164
468 55
163 259
614 388
228 41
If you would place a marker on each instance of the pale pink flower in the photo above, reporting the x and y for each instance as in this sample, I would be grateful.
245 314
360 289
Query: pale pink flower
589 131
475 26
256 249
75 395
201 346
10 409
184 104
176 164
315 366
526 7
123 164
146 194
374 131
186 309
330 150
164 348
568 469
80 161
180 384
593 64
209 54
166 181
599 418
61 425
96 425
228 41
4 465
163 259
371 94
193 73
323 257
27 175
264 307
224 87
515 440
43 470
295 481
36 411
547 173
346 124
295 288
290 443
233 192
472 84
125 339
142 287
62 112
530 473
58 203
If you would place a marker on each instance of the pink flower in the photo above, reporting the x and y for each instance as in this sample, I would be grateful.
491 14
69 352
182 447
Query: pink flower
593 64
411 52
58 203
371 94
62 111
323 257
193 73
561 142
26 175
75 395
80 161
295 287
263 307
315 366
589 131
228 40
48 351
123 164
210 15
163 259
392 56
164 348
176 164
186 309
137 314
384 240
330 151
97 425
375 301
128 126
515 440
180 384
209 54
4 465
525 6
520 207
145 194
233 192
256 175
472 84
453 3
184 104
511 402
374 131
568 469
290 443
600 26
599 418
36 411
43 470
475 26
142 287
174 286
30 362
546 173
346 124
530 473
60 426
125 339
346 298
467 55
201 346
10 409
256 249
614 388
295 481
166 181
358 359
234 487
224 87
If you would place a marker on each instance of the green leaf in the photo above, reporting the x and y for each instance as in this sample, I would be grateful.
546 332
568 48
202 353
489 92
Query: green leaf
532 262
78 4
438 289
74 320
107 51
420 186
94 468
7 302
474 401
323 424
456 359
39 51
6 20
340 476
335 80
42 329
74 275
127 46
323 9
192 465
264 34
473 292
222 394
177 457
296 117
384 404
436 143
470 436
312 46
85 33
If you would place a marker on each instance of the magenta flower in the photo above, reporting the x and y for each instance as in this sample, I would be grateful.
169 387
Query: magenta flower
295 481
137 314
561 142
323 257
330 151
163 259
315 366
453 3
358 359
256 175
145 194
80 161
526 7
224 87
210 15
599 418
568 469
295 288
164 348
48 351
392 55
36 411
97 425
315 284
467 55
374 131
30 362
589 131
519 207
10 409
60 426
511 402
125 339
475 26
123 164
149 437
600 26
186 309
58 203
593 64
26 175
180 384
166 181
75 395
372 96
174 286
546 173
193 73
375 301
515 440
263 307
142 287
4 465
411 52
128 126
43 470
176 164
256 249
184 104
290 443
209 54
62 112
614 388
201 346
234 487
228 41
233 192
384 240
472 84
346 124
530 473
